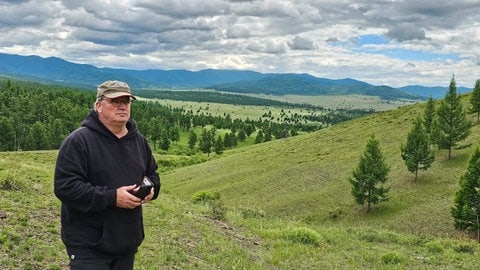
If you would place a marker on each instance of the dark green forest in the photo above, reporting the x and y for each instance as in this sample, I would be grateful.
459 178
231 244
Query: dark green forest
36 116
217 97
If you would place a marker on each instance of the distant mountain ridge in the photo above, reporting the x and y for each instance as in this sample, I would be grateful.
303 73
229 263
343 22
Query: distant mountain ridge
305 84
58 71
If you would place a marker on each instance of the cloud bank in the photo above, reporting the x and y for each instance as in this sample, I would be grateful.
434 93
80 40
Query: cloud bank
388 42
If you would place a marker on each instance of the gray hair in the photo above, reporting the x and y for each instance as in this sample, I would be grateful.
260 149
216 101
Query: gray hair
99 99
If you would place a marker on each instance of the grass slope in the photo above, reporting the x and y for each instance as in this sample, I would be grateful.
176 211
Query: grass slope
306 177
301 184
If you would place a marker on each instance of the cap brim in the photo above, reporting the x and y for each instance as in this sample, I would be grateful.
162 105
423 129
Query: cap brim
119 94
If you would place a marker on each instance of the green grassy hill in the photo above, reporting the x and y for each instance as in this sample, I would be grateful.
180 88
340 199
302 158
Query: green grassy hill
306 177
288 206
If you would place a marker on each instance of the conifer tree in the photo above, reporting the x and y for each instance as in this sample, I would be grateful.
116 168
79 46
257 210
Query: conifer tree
259 138
242 135
192 140
429 115
417 152
164 140
475 100
370 175
218 148
207 141
451 124
175 134
267 136
466 211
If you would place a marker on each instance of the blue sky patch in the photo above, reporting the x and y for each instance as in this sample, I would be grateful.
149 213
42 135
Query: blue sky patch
371 39
362 43
405 54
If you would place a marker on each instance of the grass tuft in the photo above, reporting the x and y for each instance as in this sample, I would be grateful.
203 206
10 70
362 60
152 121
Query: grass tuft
392 257
303 235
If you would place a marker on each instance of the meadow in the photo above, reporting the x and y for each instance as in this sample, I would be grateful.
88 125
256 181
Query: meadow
286 205
254 112
342 101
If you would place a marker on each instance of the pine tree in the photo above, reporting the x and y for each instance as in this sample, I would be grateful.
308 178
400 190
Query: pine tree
242 135
466 211
417 152
192 140
164 140
207 141
429 115
259 138
475 100
175 134
218 148
370 175
451 124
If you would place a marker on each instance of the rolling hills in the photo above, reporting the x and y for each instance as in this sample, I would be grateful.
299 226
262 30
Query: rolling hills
306 177
298 191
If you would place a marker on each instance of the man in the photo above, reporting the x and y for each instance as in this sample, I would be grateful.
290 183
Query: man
97 175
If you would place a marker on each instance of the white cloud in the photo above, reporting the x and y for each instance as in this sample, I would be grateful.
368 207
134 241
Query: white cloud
302 36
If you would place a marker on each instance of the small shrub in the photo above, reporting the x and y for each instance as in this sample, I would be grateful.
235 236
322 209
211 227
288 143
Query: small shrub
392 258
218 211
252 213
303 235
204 196
434 247
464 248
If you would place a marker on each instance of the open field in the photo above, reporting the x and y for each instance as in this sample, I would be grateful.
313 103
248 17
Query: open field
254 112
219 109
342 101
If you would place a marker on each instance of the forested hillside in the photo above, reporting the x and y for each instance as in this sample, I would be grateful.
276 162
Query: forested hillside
304 84
38 117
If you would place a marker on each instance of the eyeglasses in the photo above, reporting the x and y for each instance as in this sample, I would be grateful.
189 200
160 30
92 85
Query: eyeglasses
118 101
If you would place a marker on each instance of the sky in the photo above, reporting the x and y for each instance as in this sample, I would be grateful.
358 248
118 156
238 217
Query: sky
382 42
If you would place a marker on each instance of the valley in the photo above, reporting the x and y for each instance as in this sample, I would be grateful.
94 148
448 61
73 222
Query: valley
287 205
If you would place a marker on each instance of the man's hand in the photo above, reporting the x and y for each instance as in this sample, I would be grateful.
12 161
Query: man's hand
125 199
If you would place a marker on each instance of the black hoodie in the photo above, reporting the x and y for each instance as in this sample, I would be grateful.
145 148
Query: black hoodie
91 164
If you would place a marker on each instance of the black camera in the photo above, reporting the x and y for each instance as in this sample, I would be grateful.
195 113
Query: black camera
145 186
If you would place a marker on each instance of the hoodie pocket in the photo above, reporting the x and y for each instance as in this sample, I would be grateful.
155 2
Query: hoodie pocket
122 231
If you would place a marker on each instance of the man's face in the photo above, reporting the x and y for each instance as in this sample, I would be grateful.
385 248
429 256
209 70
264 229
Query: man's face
114 110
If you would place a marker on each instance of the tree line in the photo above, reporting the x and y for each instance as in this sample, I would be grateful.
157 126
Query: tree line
38 117
217 97
441 127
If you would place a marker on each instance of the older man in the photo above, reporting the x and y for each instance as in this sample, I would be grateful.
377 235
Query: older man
98 173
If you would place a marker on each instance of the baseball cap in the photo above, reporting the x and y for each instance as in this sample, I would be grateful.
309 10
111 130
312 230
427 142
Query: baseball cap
114 89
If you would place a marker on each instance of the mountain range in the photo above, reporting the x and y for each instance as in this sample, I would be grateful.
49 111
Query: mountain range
58 71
